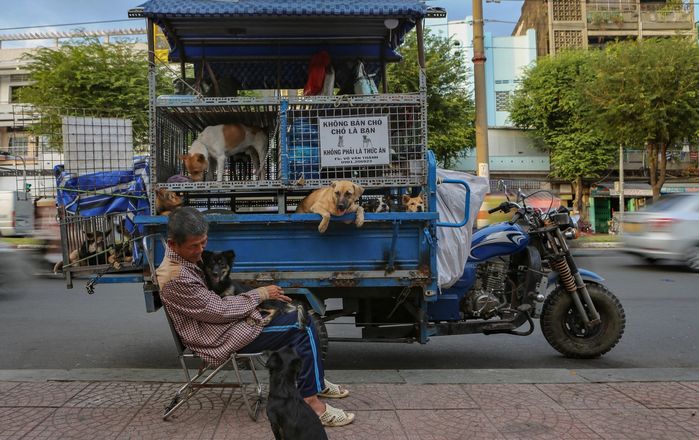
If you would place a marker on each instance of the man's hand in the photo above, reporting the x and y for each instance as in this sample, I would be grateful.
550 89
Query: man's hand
276 292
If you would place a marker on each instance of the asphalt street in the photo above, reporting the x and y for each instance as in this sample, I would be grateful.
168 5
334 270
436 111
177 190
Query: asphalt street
44 325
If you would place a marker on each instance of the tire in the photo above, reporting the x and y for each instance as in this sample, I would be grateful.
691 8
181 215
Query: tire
563 330
322 333
692 258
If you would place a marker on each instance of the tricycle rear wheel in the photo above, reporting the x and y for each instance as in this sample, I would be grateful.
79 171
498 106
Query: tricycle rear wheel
564 330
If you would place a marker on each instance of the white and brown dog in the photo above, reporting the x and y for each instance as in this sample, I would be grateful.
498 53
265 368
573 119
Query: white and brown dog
217 142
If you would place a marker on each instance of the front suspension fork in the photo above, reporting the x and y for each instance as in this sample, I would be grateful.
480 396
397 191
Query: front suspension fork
574 284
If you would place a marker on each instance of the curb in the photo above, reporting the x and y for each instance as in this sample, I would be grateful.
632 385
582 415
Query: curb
597 245
413 377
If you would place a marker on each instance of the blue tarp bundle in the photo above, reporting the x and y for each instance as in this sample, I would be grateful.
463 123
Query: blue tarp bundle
108 192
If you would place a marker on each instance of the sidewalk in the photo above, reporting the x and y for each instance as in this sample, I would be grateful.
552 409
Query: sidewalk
458 404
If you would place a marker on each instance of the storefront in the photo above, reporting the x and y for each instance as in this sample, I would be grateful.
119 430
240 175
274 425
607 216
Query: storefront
604 202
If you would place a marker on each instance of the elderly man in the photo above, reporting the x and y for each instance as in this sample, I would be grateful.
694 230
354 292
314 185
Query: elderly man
214 327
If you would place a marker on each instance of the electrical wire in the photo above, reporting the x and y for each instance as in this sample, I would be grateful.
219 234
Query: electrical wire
66 24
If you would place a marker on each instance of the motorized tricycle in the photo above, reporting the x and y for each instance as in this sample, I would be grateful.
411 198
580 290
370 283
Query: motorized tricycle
241 62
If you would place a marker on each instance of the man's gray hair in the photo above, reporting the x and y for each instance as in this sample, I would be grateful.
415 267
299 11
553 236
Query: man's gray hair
184 223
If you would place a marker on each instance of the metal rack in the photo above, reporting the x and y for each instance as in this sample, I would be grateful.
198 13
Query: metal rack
294 162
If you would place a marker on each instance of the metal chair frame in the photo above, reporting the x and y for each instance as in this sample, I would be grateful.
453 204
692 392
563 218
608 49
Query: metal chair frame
191 387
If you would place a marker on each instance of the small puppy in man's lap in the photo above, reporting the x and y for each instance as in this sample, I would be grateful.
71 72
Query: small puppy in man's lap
217 272
340 198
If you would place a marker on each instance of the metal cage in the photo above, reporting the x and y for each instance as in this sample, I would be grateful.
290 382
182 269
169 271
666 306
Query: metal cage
294 162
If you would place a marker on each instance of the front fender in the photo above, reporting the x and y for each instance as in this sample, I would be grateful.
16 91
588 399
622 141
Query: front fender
587 275
313 301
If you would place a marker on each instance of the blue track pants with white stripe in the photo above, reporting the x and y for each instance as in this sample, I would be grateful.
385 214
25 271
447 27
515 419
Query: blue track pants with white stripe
284 330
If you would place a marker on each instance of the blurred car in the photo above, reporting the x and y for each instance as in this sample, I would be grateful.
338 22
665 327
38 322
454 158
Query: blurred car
16 214
667 229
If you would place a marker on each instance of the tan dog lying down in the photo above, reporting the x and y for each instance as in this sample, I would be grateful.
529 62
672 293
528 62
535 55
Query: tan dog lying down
217 142
340 198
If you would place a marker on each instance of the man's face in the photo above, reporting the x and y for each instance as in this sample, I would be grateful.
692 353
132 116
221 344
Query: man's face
191 249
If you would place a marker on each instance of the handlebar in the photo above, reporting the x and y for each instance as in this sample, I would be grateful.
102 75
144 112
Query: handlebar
504 207
496 209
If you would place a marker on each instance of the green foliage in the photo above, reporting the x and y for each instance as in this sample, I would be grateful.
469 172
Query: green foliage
552 102
450 110
87 77
647 93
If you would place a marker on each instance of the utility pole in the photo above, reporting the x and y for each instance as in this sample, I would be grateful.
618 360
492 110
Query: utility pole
479 84
621 190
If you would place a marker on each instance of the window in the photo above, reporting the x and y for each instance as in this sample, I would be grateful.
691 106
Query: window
19 145
14 94
502 101
20 77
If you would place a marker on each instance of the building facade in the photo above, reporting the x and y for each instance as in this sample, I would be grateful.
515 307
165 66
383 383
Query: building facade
511 151
580 24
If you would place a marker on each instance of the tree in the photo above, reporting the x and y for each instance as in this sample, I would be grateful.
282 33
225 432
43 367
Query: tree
450 110
551 101
647 93
98 79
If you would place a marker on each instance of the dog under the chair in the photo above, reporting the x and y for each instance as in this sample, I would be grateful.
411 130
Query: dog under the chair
289 415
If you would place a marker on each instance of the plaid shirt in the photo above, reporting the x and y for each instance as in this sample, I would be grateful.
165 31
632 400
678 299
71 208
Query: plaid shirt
210 326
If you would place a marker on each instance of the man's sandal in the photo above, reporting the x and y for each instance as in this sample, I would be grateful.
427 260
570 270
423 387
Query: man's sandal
333 391
333 417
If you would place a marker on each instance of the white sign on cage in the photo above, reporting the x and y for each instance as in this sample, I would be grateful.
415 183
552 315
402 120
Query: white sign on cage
92 145
354 141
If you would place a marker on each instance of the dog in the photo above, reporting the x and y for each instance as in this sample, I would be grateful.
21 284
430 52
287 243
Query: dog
378 204
91 251
413 204
121 253
340 198
217 271
290 417
216 142
167 201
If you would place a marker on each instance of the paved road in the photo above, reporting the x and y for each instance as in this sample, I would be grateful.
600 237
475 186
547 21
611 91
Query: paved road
46 326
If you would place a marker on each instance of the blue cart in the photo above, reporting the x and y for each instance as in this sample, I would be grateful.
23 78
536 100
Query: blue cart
238 63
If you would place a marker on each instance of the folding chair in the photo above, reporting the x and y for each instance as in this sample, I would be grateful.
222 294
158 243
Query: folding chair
193 384
190 388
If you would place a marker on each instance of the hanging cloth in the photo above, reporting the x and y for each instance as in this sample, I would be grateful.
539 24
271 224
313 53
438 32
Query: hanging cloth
316 73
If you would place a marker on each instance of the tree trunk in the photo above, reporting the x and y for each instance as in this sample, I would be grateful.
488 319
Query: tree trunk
652 151
578 202
658 165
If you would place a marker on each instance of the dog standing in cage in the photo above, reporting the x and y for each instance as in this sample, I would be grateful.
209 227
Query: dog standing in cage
217 142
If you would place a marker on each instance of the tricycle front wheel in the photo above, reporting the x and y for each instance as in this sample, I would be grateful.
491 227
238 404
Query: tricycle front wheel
322 332
565 331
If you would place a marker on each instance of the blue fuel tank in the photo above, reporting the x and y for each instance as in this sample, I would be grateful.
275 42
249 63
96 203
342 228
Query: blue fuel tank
499 239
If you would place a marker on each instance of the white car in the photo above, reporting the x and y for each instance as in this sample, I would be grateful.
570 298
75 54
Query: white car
667 229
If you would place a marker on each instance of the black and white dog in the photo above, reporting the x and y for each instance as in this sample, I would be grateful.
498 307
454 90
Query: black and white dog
289 415
217 270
